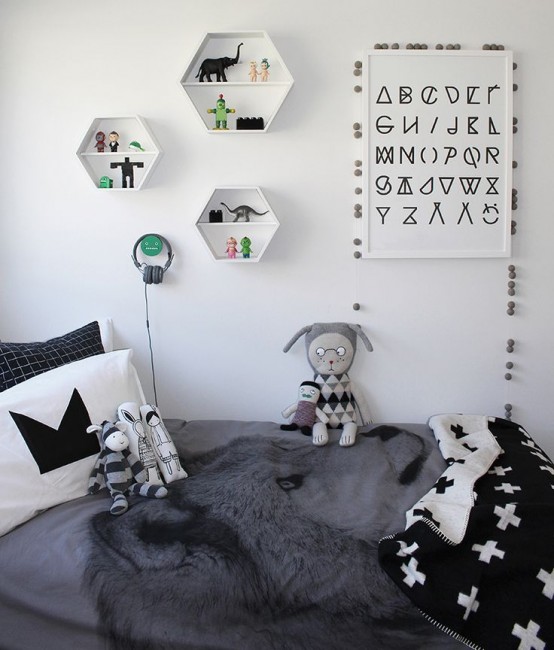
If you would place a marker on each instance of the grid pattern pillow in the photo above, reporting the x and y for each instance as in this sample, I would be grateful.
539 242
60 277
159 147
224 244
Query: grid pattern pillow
21 361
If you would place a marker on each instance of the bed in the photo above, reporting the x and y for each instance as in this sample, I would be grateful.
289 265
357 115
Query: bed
430 536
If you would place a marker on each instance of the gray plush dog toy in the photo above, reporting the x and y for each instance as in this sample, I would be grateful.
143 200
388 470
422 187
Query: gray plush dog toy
331 348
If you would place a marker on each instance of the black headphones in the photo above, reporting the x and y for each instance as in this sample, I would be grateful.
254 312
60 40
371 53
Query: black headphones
152 274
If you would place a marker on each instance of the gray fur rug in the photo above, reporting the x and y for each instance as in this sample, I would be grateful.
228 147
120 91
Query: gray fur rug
270 544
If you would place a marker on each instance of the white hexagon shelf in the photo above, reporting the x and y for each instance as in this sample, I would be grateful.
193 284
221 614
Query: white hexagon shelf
130 166
225 216
250 100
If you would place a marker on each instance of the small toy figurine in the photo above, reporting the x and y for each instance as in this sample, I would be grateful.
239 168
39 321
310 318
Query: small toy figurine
243 212
100 141
220 114
306 411
217 66
105 181
135 146
231 249
246 246
114 144
264 74
253 74
127 171
119 469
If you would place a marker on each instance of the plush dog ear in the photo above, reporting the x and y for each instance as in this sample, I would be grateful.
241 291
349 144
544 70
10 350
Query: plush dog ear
295 338
358 330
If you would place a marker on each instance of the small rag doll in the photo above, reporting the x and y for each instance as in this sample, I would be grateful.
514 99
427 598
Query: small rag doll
305 410
139 441
331 348
119 469
162 444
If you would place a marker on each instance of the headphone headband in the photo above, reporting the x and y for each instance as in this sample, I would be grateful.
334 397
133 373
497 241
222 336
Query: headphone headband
152 274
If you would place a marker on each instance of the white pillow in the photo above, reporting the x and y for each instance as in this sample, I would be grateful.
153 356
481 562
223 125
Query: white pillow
103 382
106 333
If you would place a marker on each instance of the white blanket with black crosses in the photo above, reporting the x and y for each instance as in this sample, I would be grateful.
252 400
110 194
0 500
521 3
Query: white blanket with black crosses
477 554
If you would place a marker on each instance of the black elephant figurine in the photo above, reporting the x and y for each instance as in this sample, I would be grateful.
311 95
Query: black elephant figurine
217 66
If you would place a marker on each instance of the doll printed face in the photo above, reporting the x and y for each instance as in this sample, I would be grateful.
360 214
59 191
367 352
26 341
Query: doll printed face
117 441
308 393
331 354
152 419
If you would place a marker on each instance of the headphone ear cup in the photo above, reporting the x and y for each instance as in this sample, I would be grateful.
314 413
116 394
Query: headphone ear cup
147 274
157 275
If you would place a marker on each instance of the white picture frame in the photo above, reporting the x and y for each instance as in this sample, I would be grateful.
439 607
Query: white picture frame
437 153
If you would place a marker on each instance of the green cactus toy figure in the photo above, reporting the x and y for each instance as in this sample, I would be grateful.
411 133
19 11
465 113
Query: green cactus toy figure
246 246
220 114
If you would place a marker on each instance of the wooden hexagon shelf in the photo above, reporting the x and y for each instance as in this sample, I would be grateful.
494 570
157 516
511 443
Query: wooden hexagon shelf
224 217
131 165
255 103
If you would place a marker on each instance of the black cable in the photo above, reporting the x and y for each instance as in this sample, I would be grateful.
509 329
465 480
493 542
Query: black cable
150 344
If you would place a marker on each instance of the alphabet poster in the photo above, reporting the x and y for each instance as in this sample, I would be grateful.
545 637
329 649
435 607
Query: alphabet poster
437 138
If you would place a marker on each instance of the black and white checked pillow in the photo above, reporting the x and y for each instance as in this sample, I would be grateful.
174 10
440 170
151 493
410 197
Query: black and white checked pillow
21 361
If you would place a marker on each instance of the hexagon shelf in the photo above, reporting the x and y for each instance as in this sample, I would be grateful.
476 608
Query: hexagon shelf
217 223
250 100
131 165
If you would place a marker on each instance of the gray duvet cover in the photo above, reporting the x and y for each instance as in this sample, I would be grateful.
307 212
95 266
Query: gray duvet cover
271 543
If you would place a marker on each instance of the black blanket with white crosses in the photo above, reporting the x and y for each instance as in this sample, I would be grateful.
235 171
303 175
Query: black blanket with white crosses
477 554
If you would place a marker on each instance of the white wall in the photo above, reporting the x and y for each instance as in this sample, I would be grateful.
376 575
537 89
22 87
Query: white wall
438 327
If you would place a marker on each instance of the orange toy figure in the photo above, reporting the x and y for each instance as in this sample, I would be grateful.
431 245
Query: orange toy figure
231 249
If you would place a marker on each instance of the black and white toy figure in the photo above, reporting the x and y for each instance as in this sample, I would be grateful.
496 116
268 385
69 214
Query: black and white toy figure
331 348
119 470
306 411
168 458
127 171
114 141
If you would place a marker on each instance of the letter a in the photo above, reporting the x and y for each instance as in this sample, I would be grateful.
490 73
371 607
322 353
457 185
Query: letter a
387 99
